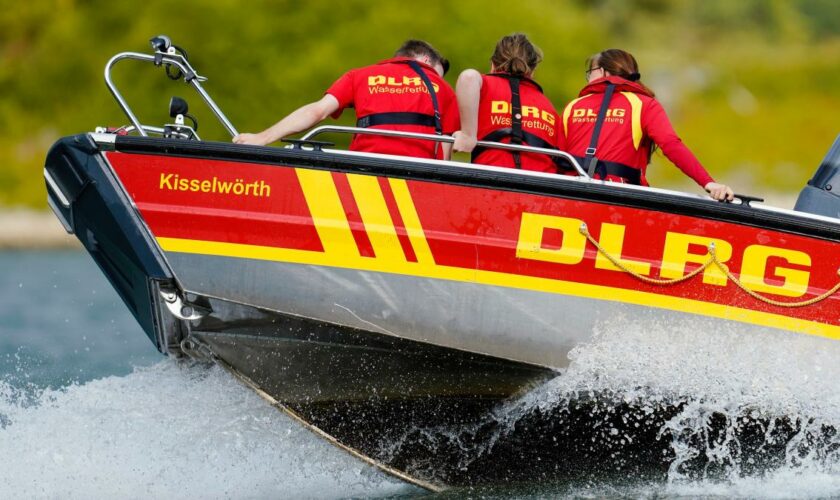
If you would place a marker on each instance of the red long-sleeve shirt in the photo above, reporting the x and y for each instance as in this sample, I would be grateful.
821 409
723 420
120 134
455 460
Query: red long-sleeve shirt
635 121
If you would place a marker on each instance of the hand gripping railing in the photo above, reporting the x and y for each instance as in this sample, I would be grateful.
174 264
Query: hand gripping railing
158 59
444 139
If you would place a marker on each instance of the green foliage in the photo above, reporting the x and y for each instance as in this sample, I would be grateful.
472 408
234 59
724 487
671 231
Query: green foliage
750 85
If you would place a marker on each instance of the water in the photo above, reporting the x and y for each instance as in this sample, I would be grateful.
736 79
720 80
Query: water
88 409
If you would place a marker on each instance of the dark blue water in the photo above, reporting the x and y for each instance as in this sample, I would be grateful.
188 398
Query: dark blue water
89 409
62 322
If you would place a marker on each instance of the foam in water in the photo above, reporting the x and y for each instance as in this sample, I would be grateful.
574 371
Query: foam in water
175 430
650 408
170 430
722 381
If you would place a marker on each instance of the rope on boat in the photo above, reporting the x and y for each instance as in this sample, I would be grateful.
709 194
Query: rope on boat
713 259
653 281
723 267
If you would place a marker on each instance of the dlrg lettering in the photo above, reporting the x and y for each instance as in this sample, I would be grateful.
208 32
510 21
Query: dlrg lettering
764 268
503 107
404 81
533 117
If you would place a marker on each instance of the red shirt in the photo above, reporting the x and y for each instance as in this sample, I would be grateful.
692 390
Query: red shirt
635 121
393 86
539 119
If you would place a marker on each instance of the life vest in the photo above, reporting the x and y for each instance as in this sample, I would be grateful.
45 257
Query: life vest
600 169
397 94
589 159
408 117
501 120
634 122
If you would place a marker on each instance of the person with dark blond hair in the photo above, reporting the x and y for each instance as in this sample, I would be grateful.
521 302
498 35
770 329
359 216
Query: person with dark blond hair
616 123
406 92
507 105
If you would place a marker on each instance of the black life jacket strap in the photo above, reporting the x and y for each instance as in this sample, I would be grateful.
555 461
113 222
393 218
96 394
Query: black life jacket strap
590 161
605 168
431 88
396 118
527 138
499 134
515 119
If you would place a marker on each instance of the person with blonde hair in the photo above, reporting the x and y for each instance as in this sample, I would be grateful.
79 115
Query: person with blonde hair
616 123
507 105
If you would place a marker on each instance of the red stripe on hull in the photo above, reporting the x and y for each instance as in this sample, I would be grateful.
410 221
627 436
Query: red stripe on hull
354 216
394 210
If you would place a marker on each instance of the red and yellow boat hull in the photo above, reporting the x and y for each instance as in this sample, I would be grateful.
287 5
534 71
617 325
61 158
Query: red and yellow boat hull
440 244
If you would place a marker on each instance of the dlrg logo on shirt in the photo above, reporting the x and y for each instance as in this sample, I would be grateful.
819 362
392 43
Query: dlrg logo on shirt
399 85
540 119
590 115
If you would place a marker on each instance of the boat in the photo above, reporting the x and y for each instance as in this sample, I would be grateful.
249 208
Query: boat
365 293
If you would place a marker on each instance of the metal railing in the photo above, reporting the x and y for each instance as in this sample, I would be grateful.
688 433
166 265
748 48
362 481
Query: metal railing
158 59
167 55
324 129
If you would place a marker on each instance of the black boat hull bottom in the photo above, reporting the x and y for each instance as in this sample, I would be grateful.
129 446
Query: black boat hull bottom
304 361
362 388
441 418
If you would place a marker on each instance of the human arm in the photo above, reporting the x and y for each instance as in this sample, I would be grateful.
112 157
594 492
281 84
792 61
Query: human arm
298 120
657 126
468 91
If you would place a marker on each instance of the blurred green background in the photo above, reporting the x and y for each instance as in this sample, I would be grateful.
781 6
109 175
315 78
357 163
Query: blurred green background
751 85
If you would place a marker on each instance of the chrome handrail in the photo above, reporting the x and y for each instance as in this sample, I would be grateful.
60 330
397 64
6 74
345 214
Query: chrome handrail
189 74
444 139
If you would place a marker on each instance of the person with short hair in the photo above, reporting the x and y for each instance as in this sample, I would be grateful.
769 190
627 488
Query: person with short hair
507 105
614 140
406 92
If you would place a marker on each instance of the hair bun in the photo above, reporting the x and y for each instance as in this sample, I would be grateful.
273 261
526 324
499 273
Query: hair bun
634 77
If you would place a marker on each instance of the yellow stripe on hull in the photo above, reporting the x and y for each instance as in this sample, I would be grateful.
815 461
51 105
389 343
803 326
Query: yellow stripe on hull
426 269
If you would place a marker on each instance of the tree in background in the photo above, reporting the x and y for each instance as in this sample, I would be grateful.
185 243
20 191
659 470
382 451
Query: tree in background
749 84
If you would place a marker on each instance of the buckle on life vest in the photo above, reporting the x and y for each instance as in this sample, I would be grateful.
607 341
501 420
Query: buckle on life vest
590 151
396 118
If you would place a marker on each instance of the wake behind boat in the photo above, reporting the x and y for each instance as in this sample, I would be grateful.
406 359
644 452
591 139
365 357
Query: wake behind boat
365 293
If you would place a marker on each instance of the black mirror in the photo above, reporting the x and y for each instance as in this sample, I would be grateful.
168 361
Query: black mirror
161 43
177 106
